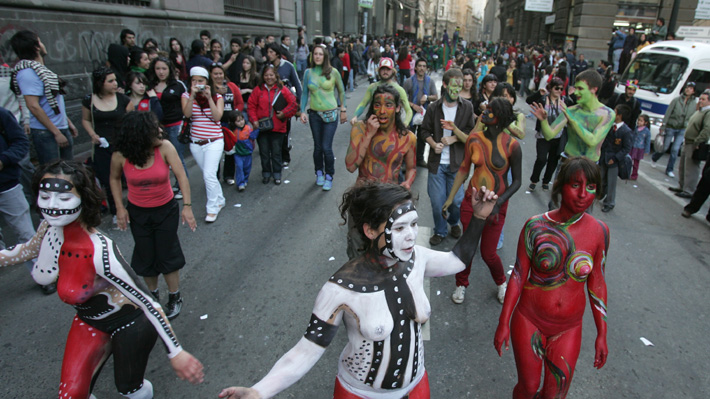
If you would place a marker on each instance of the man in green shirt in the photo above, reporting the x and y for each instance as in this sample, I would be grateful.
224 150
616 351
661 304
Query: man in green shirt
387 74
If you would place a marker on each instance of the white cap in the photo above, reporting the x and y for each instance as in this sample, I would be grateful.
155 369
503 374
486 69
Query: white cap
199 71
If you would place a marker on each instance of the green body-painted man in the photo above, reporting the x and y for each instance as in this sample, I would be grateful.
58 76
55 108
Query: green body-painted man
587 123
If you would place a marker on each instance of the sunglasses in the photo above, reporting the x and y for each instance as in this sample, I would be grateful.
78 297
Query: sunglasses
558 88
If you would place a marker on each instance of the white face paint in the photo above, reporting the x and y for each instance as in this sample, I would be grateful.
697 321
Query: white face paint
404 235
59 207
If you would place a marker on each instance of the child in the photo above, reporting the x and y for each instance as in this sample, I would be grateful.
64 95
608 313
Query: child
614 149
642 143
243 148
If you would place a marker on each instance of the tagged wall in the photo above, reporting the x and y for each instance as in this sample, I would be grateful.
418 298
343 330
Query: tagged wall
77 43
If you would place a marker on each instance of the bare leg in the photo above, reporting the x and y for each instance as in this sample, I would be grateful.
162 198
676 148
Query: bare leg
561 353
527 346
173 281
151 282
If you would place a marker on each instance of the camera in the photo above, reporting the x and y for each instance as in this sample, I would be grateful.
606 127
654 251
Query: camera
200 87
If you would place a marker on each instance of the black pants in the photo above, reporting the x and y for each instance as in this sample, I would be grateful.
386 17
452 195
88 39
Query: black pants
421 145
270 152
285 146
157 249
548 155
701 192
102 169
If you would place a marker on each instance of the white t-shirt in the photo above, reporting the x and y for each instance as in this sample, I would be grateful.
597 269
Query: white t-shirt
449 115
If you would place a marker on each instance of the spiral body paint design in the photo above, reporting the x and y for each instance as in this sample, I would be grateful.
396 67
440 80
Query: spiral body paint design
554 257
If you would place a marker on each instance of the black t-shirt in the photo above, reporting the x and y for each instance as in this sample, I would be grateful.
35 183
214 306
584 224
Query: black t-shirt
107 123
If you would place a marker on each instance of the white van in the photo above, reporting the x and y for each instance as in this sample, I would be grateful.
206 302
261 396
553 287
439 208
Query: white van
662 70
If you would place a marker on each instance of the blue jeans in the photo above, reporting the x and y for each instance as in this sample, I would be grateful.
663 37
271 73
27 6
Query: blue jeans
323 134
301 66
173 132
676 137
16 212
351 81
242 168
438 187
47 148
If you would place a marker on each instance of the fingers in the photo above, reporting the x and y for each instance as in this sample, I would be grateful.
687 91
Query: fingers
228 393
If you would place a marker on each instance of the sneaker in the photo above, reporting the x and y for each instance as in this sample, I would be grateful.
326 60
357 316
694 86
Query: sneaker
230 182
328 184
211 217
174 305
435 240
320 178
654 164
675 189
545 187
685 214
459 294
501 292
178 195
456 231
277 181
532 186
285 163
49 289
671 174
241 187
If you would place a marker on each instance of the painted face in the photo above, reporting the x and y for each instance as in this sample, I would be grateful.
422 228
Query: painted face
489 118
583 93
385 109
578 194
400 232
161 71
453 89
138 87
58 200
318 55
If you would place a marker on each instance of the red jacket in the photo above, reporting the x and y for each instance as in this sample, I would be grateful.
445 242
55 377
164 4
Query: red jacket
259 106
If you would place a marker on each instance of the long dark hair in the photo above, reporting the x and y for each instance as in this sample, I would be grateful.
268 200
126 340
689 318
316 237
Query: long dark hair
403 53
326 68
371 203
138 132
569 169
83 180
153 78
172 54
252 77
98 77
133 75
502 109
474 91
383 89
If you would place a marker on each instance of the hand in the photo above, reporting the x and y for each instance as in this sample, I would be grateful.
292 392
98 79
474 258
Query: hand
61 140
74 131
406 185
280 115
372 125
600 352
122 219
343 117
423 99
207 91
304 118
543 92
611 162
1 166
121 90
28 130
570 90
151 93
438 148
448 140
239 393
448 125
233 57
502 336
353 120
188 217
445 208
417 108
187 367
539 111
95 139
484 202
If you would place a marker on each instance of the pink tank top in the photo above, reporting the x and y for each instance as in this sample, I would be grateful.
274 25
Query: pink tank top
149 188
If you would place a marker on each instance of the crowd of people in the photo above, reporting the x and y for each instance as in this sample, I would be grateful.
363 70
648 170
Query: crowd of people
148 105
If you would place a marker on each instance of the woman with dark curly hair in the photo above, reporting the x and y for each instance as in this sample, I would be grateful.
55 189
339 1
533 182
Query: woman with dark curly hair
115 315
379 298
146 159
492 153
101 115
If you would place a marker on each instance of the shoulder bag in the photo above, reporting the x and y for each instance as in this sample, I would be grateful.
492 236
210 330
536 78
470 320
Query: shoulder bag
267 124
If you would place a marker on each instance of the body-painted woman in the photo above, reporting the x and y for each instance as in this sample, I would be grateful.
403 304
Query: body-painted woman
379 298
493 154
559 253
115 314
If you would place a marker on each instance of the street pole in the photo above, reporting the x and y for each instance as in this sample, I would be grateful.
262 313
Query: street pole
674 17
436 21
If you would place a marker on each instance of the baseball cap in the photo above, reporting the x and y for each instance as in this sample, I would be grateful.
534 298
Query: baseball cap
386 62
199 71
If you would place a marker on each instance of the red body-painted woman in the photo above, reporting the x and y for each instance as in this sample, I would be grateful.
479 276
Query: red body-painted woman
560 253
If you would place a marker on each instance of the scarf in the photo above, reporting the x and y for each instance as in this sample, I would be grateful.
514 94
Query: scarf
53 85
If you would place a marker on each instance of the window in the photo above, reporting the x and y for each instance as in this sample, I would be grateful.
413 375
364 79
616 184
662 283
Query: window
263 9
144 3
658 73
701 79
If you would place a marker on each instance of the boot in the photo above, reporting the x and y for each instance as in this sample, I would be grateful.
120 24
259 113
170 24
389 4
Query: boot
156 295
174 305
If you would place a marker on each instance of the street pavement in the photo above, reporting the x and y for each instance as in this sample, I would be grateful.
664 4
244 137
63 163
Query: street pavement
251 279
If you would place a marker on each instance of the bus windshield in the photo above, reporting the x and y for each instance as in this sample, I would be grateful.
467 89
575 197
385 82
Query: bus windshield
658 73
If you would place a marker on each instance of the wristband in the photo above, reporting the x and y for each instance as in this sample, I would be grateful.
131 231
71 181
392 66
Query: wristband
190 204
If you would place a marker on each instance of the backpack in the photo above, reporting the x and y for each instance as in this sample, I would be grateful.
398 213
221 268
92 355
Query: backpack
625 167
230 139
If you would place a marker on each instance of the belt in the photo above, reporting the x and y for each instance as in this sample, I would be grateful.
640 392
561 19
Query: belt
203 142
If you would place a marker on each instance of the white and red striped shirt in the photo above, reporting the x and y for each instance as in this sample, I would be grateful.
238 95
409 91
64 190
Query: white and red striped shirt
204 126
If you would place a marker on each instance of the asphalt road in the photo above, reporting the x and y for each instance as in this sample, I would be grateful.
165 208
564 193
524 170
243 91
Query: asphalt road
252 277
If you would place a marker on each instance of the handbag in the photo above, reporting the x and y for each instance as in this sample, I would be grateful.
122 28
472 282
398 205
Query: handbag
184 136
328 116
701 153
658 142
267 124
